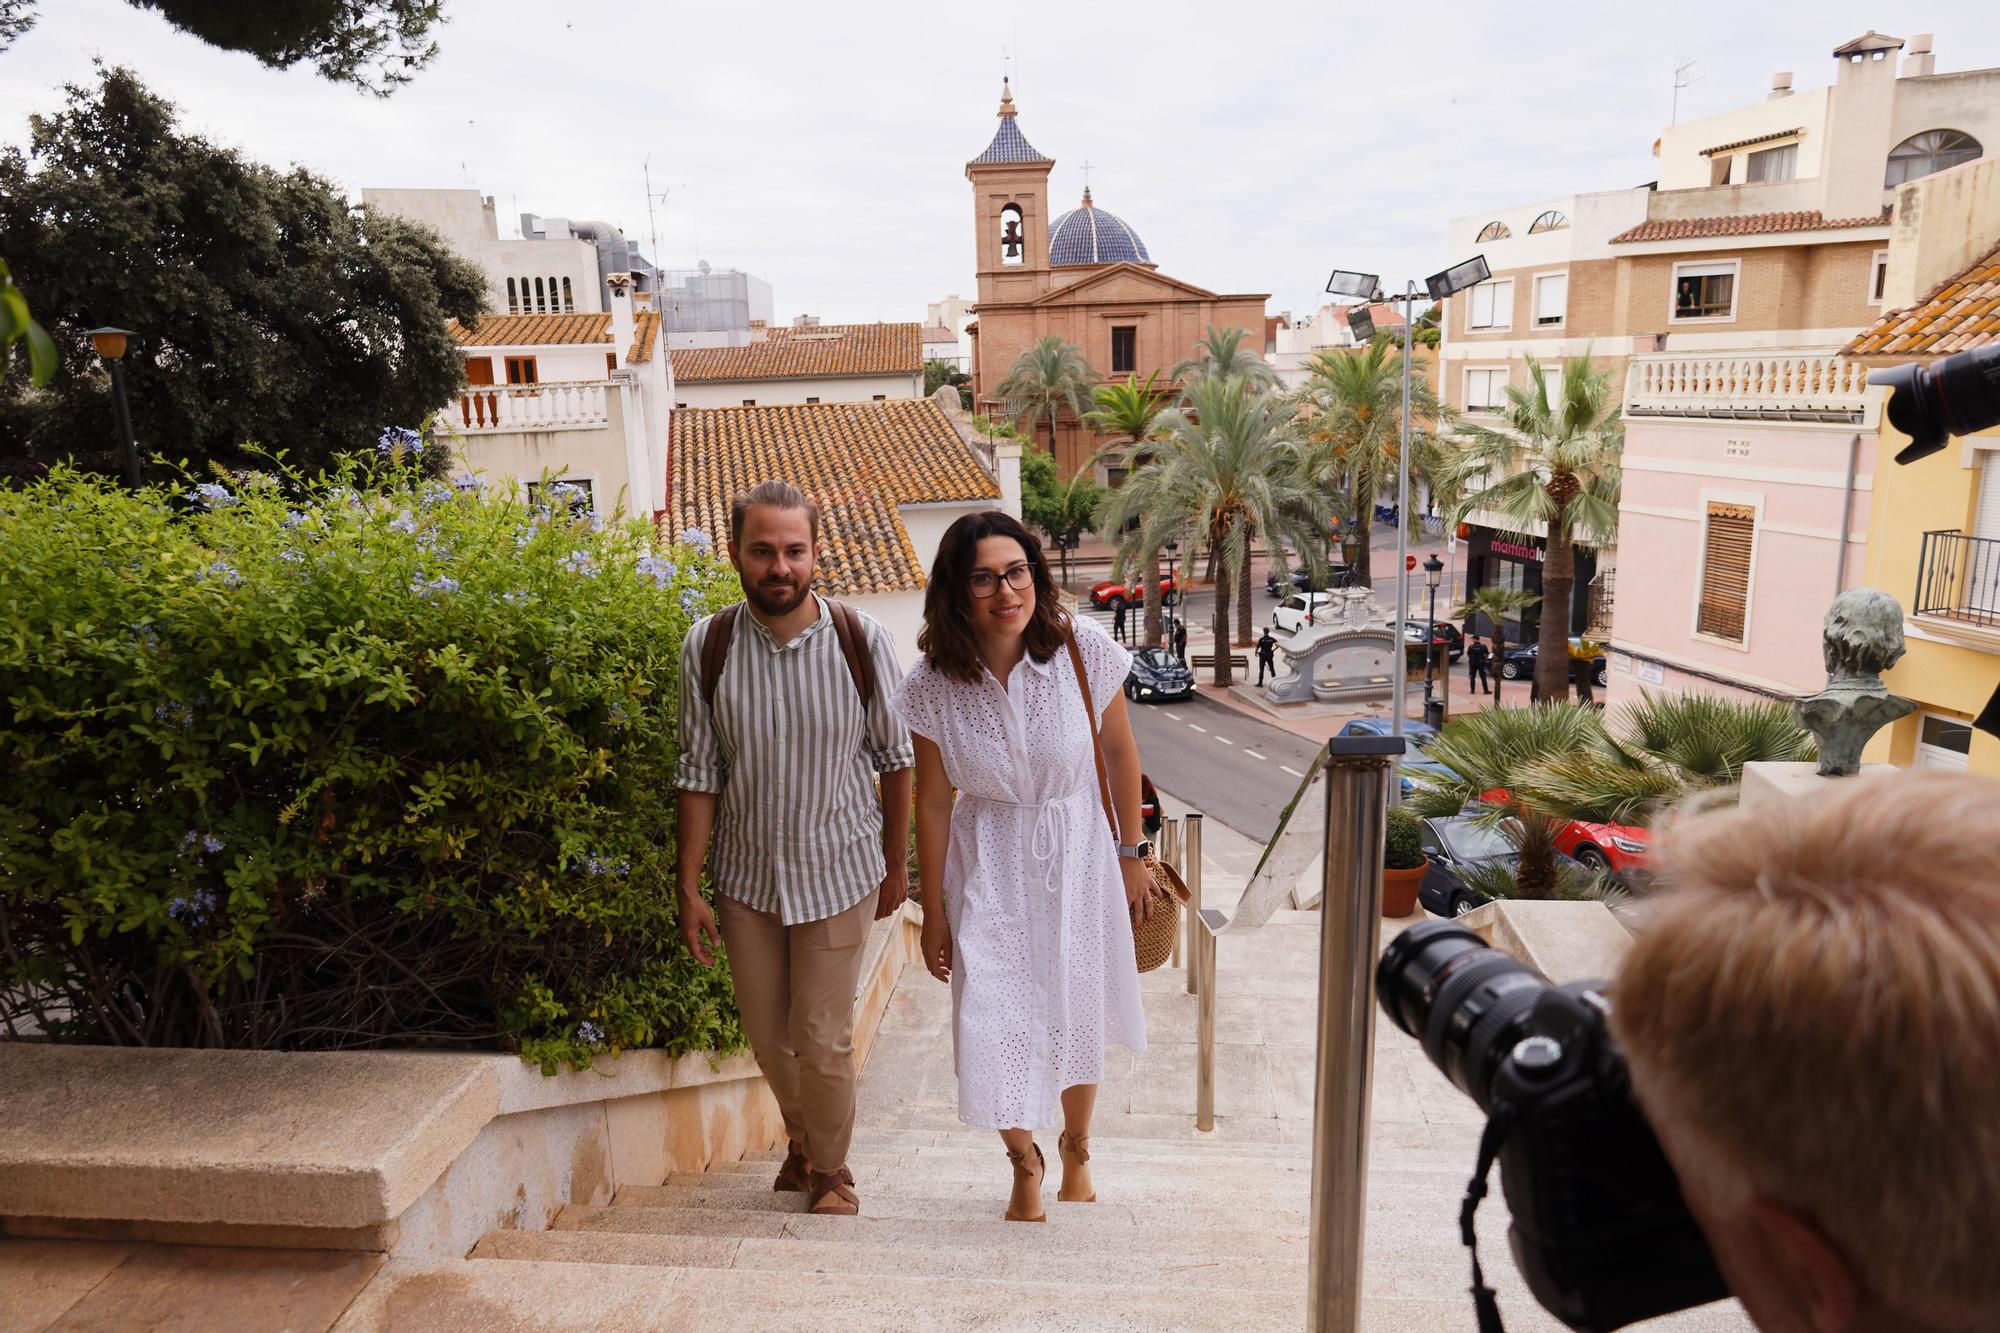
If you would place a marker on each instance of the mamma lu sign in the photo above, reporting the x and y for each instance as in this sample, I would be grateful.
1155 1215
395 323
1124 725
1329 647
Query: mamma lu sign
1515 549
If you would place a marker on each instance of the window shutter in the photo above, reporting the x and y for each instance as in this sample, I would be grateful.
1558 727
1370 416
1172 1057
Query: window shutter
1725 570
1551 295
1503 305
1986 522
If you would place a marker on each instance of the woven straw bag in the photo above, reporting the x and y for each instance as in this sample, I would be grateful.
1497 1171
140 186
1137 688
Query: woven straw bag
1153 938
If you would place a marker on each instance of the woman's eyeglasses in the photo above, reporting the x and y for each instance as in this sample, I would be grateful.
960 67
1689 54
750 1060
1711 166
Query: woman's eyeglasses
984 582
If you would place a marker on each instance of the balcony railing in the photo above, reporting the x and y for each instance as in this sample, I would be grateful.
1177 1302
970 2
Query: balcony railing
564 405
1958 578
1776 385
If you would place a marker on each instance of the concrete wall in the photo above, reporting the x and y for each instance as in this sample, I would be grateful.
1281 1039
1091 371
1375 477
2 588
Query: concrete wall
833 389
599 455
1683 165
576 362
1941 225
466 221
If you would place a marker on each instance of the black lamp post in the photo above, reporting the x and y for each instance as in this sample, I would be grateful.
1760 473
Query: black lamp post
1180 598
110 345
1433 708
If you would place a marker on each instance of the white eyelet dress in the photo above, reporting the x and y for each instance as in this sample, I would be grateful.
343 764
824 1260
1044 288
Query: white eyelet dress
1042 967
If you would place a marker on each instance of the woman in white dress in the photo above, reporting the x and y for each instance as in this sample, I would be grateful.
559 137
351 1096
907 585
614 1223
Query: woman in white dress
1028 896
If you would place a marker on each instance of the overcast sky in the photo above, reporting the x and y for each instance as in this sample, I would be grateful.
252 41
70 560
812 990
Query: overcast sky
822 147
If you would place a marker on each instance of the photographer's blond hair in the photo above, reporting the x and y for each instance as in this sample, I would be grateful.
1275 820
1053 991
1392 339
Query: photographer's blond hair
1815 1013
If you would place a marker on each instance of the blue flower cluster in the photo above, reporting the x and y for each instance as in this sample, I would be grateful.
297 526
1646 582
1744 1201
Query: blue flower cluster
194 843
213 494
691 602
294 518
617 869
292 557
193 910
581 562
436 493
174 713
147 636
589 1033
403 523
397 437
224 572
434 587
661 572
698 539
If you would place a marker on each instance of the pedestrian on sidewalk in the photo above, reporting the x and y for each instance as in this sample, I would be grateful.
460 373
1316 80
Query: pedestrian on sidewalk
1180 639
1477 655
785 725
1267 655
1118 620
1029 899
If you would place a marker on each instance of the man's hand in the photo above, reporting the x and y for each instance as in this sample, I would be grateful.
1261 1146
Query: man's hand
894 891
698 930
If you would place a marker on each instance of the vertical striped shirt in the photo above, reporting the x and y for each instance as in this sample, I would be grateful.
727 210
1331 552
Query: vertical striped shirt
798 831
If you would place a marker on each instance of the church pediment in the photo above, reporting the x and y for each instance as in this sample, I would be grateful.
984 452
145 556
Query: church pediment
1124 282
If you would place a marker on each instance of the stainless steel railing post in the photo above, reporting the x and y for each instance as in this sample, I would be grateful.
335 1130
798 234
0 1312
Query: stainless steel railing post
1360 771
1201 944
1191 874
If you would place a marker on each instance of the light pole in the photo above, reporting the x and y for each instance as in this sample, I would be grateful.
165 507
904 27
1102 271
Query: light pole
110 345
1367 286
1433 709
1180 602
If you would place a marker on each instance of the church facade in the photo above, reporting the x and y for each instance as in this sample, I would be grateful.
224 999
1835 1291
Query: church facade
1084 276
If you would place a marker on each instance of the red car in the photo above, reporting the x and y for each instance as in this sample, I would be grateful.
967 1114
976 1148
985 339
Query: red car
1621 849
1111 596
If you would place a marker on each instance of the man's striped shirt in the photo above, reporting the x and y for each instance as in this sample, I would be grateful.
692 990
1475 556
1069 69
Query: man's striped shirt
798 831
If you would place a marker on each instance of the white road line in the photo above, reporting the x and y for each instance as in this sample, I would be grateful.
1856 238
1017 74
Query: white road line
1287 768
1201 729
1253 754
1225 740
1175 716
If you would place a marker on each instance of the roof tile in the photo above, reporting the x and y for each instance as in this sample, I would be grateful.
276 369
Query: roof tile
857 461
818 351
1960 313
1743 224
558 331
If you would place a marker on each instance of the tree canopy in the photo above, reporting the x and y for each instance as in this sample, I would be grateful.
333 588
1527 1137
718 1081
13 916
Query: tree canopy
265 309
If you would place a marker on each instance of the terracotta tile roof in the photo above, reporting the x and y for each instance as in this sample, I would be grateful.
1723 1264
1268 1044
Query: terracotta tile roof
1960 313
820 351
1748 224
1755 138
558 331
858 461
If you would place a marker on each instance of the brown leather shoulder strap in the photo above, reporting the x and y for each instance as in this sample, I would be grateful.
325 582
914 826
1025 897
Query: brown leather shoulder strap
715 650
1090 714
854 646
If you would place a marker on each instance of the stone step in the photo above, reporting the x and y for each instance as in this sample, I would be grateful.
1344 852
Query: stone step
985 1204
1218 1192
472 1296
991 1165
1104 1140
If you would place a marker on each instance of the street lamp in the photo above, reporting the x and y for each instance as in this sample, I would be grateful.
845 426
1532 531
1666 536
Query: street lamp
1180 600
1433 709
110 345
1360 323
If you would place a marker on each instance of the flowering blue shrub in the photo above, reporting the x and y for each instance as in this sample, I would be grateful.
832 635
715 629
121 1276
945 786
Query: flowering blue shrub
334 764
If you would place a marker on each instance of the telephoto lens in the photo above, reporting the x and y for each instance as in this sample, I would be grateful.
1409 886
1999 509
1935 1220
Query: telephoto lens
1960 395
1465 1002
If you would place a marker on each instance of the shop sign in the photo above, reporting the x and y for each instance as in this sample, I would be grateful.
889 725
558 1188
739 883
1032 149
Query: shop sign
1515 549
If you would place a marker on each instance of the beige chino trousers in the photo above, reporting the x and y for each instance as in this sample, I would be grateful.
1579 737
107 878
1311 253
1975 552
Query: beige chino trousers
795 991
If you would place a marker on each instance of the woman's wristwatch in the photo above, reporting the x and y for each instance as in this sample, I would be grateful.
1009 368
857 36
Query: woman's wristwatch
1138 851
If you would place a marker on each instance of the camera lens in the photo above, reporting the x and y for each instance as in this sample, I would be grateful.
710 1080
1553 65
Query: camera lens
1959 395
1467 1003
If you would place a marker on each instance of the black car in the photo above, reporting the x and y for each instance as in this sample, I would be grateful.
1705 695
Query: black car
1158 674
1445 637
1454 844
1338 576
1519 663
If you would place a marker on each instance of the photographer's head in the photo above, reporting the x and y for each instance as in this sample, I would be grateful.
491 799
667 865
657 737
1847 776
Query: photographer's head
1812 1023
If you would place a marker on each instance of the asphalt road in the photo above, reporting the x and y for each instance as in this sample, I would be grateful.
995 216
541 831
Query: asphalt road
1231 767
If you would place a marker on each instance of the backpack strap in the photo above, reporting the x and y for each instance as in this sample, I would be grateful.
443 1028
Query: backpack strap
715 650
854 647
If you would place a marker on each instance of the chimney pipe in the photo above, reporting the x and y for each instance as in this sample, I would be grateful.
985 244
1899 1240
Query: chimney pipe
1918 58
1781 85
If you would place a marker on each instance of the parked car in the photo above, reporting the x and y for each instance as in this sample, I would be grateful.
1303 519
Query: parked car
1621 850
1455 845
1419 735
1338 576
1300 610
1445 636
1519 663
1111 594
1150 816
1158 674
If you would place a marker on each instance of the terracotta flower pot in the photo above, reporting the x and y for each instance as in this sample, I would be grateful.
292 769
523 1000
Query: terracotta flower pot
1399 890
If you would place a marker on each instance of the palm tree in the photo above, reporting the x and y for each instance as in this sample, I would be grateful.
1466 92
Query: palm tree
1558 465
1355 432
1223 465
1045 378
1494 604
1128 413
1220 354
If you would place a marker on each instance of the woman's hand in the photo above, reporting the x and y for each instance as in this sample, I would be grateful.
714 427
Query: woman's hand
1138 888
937 946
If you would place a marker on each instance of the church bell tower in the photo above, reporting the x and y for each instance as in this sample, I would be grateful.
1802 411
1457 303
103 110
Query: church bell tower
1010 200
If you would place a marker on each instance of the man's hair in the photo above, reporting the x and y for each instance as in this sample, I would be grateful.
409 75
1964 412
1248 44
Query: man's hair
1814 1014
947 639
778 495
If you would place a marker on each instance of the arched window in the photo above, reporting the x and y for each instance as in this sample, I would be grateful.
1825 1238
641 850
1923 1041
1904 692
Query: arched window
1494 231
513 301
568 304
1933 150
1013 240
1549 221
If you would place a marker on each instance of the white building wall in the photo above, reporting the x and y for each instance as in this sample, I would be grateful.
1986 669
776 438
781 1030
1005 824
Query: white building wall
466 220
843 389
901 613
568 361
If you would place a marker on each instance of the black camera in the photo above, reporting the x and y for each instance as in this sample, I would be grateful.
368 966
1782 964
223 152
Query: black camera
1960 395
1599 1229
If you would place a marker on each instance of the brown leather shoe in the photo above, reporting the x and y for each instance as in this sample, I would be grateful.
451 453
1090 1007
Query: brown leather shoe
1075 1152
1027 1186
792 1175
832 1194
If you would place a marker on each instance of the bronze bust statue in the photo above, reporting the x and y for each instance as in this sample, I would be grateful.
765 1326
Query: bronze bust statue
1862 638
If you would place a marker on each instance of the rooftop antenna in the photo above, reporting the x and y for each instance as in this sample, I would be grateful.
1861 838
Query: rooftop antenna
1682 79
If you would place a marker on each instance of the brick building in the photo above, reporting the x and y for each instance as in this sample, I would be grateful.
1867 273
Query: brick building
1085 276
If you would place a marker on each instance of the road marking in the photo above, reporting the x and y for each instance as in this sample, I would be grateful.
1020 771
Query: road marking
1225 740
1201 729
1253 754
1175 716
1287 768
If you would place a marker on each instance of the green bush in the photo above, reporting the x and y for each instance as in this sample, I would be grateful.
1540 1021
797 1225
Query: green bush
373 760
1404 849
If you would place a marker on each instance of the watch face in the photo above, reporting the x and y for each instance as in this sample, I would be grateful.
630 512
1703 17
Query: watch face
1143 848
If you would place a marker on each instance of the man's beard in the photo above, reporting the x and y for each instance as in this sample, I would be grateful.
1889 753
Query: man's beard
775 602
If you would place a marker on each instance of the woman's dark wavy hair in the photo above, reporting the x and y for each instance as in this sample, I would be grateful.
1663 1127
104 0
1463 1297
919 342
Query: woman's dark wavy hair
947 640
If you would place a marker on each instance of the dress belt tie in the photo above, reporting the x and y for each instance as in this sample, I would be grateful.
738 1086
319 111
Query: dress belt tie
1046 844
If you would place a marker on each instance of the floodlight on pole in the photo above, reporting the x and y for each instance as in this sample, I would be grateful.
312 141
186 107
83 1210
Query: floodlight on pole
1458 277
1360 324
1347 283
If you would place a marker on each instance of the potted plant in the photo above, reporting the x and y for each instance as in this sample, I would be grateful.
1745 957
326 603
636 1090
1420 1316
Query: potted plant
1403 863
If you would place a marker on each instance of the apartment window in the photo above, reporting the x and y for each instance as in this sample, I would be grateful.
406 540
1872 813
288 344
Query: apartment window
1124 349
881 397
521 370
1492 306
1549 221
541 298
1774 164
1718 169
1552 382
1878 277
1725 571
1551 299
1704 291
1943 742
749 402
812 400
1485 389
681 405
1932 151
513 299
569 303
1493 231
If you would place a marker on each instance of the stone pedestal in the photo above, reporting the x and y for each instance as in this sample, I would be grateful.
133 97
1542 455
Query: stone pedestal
1769 784
1565 941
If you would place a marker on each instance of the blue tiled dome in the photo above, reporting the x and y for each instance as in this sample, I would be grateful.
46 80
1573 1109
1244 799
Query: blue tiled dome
1092 235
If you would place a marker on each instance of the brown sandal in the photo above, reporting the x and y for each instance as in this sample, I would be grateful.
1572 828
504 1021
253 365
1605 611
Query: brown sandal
1022 1175
794 1175
833 1195
1075 1151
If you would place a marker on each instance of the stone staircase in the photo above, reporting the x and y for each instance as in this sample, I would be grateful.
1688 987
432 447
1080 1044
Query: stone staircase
1193 1231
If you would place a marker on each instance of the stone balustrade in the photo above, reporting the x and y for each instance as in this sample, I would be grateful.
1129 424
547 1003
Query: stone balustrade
564 405
1767 384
